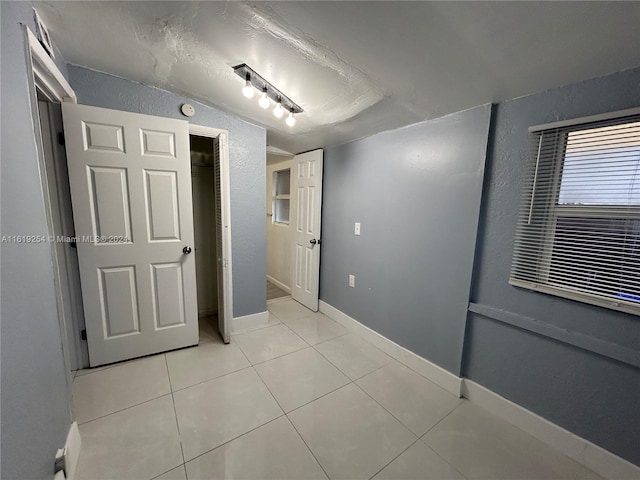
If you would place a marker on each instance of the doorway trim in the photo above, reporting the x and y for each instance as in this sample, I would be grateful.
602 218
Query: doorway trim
225 195
44 75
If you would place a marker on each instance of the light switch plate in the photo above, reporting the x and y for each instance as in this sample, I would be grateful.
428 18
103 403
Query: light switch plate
352 281
357 229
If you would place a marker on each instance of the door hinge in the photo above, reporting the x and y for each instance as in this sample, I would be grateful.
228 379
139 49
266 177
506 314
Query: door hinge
61 139
83 334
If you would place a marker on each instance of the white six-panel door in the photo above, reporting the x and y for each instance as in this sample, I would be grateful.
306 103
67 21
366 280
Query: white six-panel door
130 178
306 196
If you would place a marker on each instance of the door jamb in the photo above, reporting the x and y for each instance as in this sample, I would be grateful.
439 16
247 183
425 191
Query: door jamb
225 195
43 74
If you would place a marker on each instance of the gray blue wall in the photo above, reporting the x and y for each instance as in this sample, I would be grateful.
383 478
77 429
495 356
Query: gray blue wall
247 154
36 411
416 191
589 394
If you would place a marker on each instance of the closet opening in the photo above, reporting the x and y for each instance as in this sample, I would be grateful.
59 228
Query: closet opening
209 230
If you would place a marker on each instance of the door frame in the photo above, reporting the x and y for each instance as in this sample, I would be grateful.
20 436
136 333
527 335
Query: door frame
44 75
225 196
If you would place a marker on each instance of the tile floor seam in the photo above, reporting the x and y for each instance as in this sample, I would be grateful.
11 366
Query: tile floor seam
280 356
308 447
342 371
268 389
443 459
234 438
175 412
394 458
213 378
123 409
164 473
440 421
318 398
329 360
277 316
386 410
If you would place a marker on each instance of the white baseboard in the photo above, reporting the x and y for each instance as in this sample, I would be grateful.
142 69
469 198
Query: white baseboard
250 322
72 450
427 369
588 454
279 284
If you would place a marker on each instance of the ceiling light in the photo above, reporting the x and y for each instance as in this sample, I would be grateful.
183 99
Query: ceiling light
291 121
247 90
264 99
253 80
278 111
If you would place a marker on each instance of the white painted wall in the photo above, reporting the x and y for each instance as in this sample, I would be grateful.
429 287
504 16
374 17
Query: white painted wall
278 235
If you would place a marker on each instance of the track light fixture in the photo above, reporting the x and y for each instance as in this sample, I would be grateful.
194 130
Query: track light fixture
247 90
291 121
278 111
269 92
264 98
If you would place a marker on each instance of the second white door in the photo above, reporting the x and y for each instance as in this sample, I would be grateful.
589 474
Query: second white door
306 196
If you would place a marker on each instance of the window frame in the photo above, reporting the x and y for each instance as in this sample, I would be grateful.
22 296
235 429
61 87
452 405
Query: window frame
557 211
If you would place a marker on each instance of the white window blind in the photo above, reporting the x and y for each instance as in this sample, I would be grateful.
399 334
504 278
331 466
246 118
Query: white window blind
578 232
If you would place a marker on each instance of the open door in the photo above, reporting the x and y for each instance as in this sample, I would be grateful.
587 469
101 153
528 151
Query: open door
222 227
306 195
130 179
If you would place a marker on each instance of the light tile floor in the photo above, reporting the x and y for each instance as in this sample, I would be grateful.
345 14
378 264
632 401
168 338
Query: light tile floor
301 398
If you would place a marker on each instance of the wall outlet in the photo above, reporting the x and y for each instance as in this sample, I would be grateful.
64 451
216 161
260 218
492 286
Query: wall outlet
352 281
357 229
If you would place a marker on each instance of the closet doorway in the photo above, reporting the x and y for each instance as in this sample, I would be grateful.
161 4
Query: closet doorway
212 230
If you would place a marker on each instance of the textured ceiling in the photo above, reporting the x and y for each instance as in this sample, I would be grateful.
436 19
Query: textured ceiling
357 68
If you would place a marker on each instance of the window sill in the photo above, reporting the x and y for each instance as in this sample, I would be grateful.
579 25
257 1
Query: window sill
565 292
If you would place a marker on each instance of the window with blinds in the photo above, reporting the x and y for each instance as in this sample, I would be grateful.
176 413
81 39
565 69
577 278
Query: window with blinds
578 233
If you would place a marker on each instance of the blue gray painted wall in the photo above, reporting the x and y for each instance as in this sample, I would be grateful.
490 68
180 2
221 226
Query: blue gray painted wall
416 191
247 154
36 411
587 393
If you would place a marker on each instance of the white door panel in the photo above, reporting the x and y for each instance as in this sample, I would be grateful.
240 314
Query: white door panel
307 201
130 180
225 308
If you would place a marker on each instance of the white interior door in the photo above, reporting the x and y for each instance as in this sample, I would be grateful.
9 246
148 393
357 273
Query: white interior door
130 179
306 196
222 257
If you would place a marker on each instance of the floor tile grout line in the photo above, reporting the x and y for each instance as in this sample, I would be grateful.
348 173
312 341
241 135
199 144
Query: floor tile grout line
164 473
175 411
440 421
211 379
280 356
234 438
123 409
386 410
269 390
394 458
440 456
390 413
342 371
308 447
318 398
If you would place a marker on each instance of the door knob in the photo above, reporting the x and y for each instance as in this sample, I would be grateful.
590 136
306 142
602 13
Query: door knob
186 250
314 241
